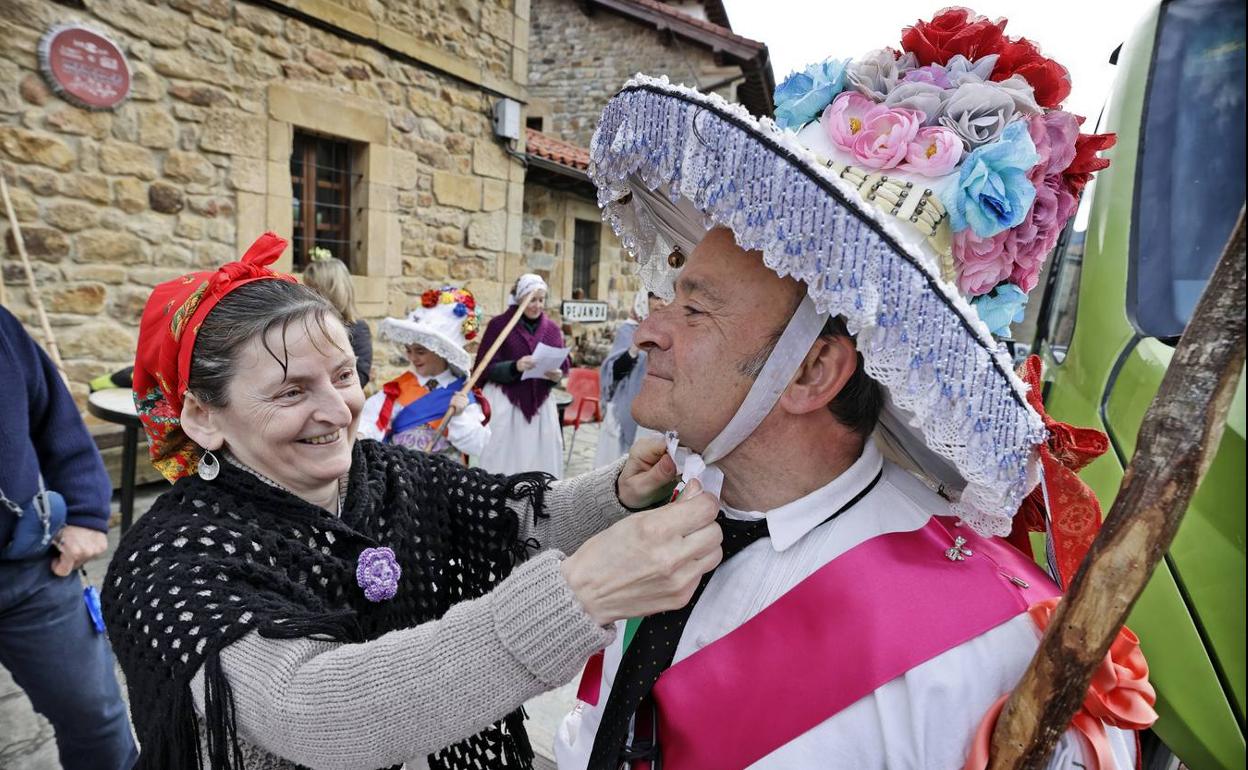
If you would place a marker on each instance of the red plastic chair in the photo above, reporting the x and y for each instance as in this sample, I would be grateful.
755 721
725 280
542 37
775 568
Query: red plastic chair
584 387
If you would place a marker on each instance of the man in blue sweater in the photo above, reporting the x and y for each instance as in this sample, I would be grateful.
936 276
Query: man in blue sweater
48 641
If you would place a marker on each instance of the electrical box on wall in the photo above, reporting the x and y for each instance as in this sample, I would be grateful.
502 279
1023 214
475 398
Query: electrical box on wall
507 119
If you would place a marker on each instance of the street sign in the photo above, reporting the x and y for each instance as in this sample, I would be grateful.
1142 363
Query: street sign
583 311
84 67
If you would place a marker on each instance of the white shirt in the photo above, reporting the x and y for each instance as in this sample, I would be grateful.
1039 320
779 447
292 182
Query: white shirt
922 720
467 432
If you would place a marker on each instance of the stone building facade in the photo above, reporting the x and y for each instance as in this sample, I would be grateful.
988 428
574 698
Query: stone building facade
197 161
582 51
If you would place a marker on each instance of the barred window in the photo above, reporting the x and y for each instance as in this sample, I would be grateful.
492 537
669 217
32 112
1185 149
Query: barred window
322 178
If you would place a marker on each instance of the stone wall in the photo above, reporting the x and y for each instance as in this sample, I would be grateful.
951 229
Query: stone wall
195 164
547 240
580 60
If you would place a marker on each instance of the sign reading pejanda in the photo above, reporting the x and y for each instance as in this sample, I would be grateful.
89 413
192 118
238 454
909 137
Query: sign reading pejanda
84 67
583 311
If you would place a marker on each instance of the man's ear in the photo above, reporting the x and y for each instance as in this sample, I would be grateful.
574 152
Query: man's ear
200 423
827 367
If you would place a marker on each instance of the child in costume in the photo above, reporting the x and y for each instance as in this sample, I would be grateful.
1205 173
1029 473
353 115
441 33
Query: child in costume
408 410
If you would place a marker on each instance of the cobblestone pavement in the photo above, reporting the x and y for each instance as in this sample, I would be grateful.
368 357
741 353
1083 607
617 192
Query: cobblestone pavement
26 738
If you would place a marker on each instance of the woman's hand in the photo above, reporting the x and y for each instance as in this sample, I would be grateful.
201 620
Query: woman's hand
526 363
459 402
554 375
648 476
649 562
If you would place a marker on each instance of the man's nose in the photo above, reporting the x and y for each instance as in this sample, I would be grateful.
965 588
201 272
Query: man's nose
654 332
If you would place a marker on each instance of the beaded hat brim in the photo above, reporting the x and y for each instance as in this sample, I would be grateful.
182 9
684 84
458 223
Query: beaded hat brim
664 157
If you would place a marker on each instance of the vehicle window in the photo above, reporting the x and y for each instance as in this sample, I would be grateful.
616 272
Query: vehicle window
1190 183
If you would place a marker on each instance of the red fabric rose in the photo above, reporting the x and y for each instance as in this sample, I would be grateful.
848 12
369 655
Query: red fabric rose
1022 57
953 31
1080 170
429 298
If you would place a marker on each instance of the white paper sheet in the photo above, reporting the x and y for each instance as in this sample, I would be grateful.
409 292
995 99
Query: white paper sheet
546 359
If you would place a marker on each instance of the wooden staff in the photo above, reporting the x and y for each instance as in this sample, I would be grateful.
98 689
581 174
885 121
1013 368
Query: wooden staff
35 299
1177 442
485 360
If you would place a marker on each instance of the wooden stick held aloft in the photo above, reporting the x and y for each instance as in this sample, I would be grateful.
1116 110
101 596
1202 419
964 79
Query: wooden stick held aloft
487 358
1176 444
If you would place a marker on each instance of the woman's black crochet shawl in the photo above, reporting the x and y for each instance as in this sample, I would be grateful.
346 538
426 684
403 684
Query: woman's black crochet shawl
212 561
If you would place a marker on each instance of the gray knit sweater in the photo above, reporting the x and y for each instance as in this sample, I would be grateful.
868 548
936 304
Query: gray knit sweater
409 693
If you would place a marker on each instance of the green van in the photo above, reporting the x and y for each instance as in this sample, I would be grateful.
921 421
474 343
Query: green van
1119 293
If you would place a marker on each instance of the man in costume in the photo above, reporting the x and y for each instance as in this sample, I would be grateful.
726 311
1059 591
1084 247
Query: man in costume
867 613
408 410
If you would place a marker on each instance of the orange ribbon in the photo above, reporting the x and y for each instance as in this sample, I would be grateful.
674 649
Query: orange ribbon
1074 512
1119 695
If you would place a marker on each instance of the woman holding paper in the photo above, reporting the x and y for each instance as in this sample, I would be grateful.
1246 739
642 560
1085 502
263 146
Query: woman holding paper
524 425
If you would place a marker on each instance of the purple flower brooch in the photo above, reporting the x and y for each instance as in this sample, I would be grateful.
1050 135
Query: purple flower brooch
377 572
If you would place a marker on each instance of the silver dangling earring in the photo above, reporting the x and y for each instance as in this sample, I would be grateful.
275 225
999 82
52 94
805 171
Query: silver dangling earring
208 466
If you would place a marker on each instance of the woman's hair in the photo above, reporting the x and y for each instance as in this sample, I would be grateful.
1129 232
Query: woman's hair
247 312
332 280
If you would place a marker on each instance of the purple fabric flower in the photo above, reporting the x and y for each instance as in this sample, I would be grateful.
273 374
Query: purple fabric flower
377 572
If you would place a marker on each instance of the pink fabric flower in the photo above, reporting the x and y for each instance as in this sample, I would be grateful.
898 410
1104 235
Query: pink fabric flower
877 136
847 116
1032 240
1054 135
982 263
934 151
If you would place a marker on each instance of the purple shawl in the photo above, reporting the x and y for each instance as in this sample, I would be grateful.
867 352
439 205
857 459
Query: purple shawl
527 395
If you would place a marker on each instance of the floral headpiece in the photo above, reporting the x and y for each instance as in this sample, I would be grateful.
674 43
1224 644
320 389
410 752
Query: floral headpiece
960 133
444 322
465 306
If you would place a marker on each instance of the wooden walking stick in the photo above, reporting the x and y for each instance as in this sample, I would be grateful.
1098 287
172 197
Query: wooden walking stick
35 299
1177 442
485 360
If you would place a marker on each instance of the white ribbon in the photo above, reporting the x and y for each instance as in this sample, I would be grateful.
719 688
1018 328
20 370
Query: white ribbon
785 359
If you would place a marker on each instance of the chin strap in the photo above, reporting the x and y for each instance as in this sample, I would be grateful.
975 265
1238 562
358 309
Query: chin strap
800 333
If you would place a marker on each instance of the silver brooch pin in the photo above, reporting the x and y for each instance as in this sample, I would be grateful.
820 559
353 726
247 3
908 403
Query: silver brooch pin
959 551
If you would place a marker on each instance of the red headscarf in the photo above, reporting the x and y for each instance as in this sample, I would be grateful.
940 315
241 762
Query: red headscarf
167 333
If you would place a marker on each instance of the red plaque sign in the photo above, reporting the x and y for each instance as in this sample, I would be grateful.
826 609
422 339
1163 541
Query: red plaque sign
84 67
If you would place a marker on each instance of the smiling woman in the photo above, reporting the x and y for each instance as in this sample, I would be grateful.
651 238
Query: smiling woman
299 597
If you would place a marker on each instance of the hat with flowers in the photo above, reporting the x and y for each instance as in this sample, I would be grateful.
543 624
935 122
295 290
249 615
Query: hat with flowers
916 190
444 323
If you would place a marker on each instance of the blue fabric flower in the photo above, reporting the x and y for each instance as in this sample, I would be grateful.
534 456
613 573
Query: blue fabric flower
803 95
1001 307
461 309
992 192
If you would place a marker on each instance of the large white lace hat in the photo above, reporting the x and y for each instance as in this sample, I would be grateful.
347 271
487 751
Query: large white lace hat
874 240
444 322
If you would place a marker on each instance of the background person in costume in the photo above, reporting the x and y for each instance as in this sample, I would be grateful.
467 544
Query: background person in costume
409 408
620 376
300 597
525 434
818 316
329 277
54 508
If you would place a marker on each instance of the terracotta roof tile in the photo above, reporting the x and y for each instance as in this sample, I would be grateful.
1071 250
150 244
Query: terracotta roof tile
556 150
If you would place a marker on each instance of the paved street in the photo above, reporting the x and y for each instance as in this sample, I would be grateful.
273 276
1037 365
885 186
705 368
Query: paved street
27 743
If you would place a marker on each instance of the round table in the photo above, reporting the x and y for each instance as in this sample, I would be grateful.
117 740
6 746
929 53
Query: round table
116 405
